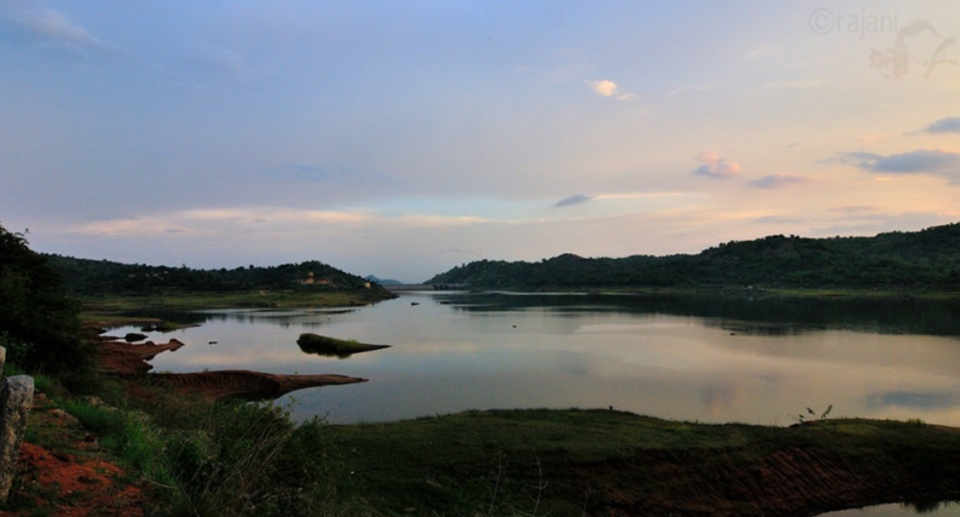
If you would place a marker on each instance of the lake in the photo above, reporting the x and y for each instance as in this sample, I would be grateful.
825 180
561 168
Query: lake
700 359
707 359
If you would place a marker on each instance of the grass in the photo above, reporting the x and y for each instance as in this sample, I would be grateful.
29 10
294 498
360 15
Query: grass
202 458
450 464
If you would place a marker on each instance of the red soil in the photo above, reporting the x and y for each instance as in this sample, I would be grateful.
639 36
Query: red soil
130 361
80 487
79 483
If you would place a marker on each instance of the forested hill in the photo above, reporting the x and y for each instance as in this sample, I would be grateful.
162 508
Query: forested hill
92 277
929 259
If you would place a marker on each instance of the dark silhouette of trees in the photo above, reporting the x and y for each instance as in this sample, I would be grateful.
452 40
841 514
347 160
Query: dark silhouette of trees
39 323
98 277
929 258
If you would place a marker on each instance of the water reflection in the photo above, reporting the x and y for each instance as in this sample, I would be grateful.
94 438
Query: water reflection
709 360
762 315
935 508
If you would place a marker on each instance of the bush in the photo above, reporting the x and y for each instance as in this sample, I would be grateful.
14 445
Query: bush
238 459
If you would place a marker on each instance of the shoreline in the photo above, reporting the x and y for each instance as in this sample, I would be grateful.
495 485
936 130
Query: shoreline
129 362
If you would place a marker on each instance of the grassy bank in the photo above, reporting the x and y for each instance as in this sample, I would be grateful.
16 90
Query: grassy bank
547 462
199 458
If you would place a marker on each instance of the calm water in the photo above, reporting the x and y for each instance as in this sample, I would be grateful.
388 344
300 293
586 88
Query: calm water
761 362
698 359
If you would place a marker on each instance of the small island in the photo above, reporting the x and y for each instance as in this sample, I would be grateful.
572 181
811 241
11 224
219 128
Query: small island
329 346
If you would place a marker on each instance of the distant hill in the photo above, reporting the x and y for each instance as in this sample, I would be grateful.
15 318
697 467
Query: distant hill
92 277
383 281
928 258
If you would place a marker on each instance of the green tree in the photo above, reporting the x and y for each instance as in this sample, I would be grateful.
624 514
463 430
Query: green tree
37 318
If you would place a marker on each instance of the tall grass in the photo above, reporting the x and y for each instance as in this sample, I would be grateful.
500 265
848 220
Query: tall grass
226 459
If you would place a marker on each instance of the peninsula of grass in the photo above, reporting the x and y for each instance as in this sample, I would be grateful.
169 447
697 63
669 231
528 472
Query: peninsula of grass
600 462
324 345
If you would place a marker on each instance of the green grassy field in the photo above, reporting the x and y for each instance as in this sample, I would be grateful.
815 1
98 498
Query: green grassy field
554 462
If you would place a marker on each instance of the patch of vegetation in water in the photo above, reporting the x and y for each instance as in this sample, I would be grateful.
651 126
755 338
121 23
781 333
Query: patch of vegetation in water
324 345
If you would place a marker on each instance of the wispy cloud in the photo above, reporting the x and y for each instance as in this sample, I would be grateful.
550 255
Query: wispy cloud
776 219
876 222
762 51
784 86
944 125
713 166
922 161
777 181
853 209
575 199
51 27
200 222
607 88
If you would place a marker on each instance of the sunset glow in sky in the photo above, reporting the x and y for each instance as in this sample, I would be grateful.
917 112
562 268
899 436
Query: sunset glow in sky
404 138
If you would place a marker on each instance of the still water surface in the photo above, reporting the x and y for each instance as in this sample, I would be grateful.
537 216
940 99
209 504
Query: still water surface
697 359
762 361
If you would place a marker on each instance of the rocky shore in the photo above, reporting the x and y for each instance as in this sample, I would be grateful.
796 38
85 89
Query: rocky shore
129 361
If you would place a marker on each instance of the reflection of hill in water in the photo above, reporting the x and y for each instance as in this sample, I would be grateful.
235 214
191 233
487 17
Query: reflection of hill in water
766 315
283 317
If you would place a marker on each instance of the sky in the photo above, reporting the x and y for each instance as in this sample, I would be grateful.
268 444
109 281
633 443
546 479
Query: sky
404 138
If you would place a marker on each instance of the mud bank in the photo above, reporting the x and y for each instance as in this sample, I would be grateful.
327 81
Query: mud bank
129 361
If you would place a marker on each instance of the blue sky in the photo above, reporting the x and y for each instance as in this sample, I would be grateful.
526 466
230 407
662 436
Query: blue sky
404 138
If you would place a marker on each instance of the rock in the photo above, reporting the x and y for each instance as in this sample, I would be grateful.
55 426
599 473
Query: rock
16 399
64 418
133 337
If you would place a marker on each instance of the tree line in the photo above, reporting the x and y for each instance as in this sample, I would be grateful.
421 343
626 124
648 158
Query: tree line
98 277
928 258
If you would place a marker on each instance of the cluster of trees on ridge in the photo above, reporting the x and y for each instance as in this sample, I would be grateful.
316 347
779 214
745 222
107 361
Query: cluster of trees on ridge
929 258
95 277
